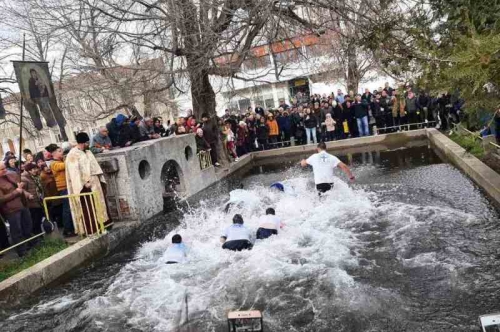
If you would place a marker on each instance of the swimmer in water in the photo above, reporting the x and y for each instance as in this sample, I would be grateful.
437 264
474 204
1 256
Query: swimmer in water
278 186
268 224
236 237
177 252
323 164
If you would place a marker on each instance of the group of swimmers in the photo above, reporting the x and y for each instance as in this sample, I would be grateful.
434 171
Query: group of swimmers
237 236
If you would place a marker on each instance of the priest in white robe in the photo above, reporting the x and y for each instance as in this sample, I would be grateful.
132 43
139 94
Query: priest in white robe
84 175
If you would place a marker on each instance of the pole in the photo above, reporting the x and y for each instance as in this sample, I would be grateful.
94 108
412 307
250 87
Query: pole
21 119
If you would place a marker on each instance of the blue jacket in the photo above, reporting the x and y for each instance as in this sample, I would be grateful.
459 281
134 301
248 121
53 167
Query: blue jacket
284 123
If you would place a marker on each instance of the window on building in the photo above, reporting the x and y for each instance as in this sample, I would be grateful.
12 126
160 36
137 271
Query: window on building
244 104
255 63
269 101
291 56
259 101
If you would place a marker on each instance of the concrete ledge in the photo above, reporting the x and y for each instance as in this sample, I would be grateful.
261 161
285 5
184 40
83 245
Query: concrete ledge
369 143
42 274
481 174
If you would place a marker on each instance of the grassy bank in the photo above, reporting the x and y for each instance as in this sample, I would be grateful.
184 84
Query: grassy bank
471 144
44 250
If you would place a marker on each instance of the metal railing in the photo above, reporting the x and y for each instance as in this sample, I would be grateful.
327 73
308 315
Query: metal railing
93 207
94 213
22 242
458 127
205 159
403 126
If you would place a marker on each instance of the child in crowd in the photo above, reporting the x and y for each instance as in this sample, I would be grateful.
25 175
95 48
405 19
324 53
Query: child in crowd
230 141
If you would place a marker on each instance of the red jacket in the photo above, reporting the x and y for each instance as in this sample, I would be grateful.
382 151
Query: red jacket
10 198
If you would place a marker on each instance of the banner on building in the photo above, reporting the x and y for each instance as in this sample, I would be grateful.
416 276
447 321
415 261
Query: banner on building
2 109
37 91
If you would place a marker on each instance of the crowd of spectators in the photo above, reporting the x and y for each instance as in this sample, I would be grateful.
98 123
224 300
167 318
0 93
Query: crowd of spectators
24 185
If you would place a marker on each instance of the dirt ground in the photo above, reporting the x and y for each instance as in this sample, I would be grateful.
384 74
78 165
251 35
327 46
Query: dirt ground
492 161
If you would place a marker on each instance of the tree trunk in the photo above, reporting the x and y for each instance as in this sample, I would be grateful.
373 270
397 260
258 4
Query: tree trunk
202 94
203 97
352 71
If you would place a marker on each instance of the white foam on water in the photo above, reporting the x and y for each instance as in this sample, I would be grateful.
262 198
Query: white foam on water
313 245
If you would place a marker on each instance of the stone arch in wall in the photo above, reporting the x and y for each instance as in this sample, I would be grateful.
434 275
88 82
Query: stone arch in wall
172 179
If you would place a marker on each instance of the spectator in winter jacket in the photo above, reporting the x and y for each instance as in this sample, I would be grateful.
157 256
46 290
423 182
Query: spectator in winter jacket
58 168
412 108
201 142
310 123
273 130
147 130
126 136
398 108
285 126
242 139
101 141
367 96
230 140
114 128
13 209
330 128
262 133
158 127
340 96
386 111
360 109
33 185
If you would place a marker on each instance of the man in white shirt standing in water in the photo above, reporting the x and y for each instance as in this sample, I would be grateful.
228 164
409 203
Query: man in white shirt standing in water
323 165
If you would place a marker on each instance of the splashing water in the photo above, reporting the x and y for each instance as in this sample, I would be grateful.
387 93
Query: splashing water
395 252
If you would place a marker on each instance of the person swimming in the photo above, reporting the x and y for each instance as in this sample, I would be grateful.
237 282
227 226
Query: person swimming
278 186
236 237
268 224
177 252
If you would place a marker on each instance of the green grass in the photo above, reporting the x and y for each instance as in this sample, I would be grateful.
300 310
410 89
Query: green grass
44 250
471 144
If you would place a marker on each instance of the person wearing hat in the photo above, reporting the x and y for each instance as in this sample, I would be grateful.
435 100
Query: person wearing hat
84 175
33 185
236 237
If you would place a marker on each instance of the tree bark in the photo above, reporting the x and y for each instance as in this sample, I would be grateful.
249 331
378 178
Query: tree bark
203 97
352 71
202 94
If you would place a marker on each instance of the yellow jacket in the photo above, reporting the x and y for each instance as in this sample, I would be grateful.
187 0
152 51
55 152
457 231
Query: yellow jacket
58 168
273 127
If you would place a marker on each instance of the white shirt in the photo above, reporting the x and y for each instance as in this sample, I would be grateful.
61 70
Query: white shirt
236 232
270 221
177 252
323 165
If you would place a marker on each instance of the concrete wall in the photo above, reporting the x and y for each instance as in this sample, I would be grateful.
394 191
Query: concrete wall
135 197
481 174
